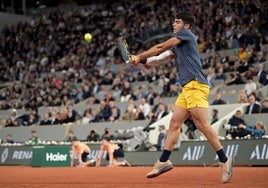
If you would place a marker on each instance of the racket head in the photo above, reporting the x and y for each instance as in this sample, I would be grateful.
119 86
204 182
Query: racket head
123 50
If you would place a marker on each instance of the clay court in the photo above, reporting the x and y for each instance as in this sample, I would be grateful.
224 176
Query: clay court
128 177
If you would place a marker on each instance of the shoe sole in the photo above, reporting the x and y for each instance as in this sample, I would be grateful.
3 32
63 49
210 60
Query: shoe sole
163 170
231 172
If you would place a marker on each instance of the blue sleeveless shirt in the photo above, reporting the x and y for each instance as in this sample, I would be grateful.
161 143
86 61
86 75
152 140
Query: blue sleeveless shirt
187 58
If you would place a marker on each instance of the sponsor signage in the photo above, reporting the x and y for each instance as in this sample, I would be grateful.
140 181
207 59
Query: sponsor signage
245 152
51 156
16 155
57 155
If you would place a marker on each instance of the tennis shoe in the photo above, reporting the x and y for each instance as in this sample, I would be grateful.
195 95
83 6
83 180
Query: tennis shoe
160 168
227 169
126 163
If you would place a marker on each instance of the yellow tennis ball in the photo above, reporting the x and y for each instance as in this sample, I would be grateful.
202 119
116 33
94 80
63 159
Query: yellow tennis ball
88 37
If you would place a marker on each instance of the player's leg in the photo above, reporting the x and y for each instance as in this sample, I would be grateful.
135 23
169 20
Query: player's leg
163 164
197 100
179 116
199 116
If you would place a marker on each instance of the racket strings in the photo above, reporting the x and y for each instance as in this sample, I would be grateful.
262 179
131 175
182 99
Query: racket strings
123 46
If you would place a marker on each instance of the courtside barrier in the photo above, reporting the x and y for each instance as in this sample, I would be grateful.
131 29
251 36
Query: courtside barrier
16 155
57 155
245 152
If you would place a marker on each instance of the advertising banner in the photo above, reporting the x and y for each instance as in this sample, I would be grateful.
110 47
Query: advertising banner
16 155
57 155
245 152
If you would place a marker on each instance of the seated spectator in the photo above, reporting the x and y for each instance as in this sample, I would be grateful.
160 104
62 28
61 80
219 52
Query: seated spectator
130 114
191 127
262 75
93 136
12 121
86 91
150 96
210 75
145 107
116 93
139 114
54 116
166 87
234 79
94 117
160 113
220 74
242 97
72 114
115 111
242 67
173 91
260 57
87 118
250 72
253 107
63 115
31 120
141 93
214 115
78 95
250 86
256 132
104 111
71 136
264 106
45 120
234 131
161 138
34 140
107 134
88 109
218 100
115 115
10 139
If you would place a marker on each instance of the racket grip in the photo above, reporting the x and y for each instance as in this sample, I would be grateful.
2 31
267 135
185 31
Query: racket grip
143 61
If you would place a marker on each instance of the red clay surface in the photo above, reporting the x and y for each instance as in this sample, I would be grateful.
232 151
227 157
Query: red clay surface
128 177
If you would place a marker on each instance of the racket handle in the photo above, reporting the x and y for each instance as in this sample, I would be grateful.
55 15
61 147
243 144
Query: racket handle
143 61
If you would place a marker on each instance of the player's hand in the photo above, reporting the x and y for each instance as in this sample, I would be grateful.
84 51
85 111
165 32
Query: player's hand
135 60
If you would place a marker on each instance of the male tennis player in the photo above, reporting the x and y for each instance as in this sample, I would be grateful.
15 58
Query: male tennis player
81 150
193 99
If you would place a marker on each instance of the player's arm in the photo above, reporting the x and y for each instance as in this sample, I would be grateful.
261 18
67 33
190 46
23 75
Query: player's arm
158 60
156 50
72 157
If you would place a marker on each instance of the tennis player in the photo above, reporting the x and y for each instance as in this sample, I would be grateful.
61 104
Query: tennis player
193 99
115 151
82 151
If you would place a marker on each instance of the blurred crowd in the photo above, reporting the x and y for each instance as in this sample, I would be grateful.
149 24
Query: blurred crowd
46 62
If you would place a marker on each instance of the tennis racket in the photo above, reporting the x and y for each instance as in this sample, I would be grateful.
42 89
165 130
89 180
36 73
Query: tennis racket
124 52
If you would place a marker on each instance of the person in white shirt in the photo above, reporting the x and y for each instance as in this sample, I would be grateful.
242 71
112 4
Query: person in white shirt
250 86
145 107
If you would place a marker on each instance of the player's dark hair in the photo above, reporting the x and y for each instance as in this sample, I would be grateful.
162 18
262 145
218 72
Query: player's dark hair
187 17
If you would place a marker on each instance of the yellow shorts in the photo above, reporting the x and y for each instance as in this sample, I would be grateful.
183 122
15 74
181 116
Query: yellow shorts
194 94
